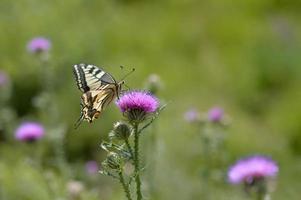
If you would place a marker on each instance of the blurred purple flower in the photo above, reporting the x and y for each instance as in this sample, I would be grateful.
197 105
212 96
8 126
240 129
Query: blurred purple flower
192 115
29 131
215 114
92 167
252 168
3 78
38 44
138 100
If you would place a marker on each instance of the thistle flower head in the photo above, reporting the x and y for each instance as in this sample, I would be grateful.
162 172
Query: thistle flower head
250 169
215 114
29 131
91 167
136 105
38 45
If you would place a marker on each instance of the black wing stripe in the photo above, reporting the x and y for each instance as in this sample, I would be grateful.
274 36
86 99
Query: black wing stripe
90 77
80 78
97 72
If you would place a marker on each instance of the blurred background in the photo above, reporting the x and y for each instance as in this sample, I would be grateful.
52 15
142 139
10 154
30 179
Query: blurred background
242 56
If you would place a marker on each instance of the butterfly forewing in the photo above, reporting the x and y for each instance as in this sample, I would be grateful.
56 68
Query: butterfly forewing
91 77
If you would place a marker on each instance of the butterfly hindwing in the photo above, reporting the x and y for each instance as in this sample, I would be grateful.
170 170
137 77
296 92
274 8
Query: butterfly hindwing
90 77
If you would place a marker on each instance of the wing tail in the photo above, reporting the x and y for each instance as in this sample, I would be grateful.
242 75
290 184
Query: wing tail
79 121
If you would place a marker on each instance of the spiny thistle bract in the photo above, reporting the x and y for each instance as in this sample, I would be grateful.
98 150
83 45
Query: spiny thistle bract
121 131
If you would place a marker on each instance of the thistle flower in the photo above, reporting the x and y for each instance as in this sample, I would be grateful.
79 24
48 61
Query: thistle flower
29 131
120 131
92 167
215 114
250 169
192 115
136 105
38 45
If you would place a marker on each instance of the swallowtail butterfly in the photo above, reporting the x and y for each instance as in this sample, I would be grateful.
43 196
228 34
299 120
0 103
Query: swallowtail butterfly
99 90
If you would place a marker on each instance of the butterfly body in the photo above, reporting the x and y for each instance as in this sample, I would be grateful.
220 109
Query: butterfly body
99 90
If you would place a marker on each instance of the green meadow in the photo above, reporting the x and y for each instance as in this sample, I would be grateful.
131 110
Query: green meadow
242 56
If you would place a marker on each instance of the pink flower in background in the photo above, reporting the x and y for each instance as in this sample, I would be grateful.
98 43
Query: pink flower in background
29 131
192 115
215 114
138 100
38 44
3 78
92 167
252 168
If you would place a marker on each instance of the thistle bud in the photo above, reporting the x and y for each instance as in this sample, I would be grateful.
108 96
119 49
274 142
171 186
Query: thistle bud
121 131
113 161
153 83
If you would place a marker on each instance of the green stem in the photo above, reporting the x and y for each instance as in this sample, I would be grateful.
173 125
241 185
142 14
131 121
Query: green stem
124 185
261 193
136 162
152 153
259 196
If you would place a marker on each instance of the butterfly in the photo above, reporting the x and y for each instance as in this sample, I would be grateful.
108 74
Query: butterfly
99 90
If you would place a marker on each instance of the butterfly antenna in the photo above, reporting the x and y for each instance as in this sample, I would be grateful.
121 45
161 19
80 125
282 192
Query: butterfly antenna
126 75
128 87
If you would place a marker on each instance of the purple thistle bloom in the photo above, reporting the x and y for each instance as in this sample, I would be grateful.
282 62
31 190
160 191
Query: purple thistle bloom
192 115
3 78
135 105
252 168
39 44
138 100
92 167
215 114
29 131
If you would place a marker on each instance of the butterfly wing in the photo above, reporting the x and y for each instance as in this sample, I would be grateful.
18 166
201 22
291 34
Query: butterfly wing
99 90
90 77
104 97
